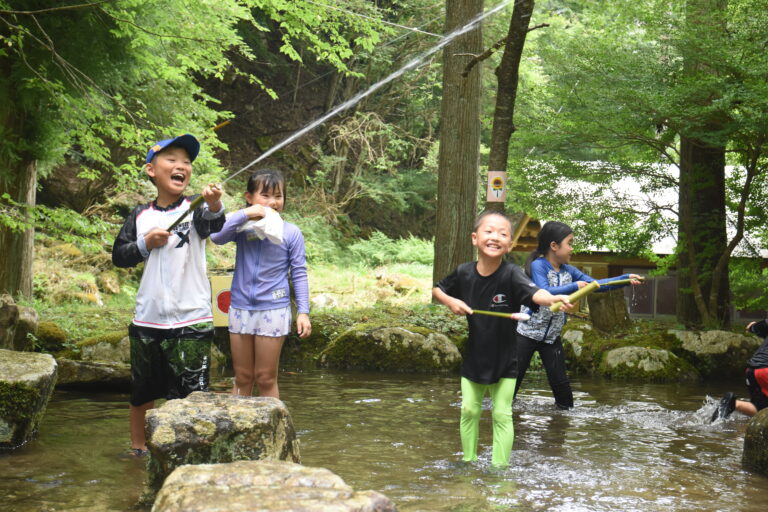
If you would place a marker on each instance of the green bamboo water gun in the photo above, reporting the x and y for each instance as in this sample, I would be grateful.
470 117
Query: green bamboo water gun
591 287
520 317
192 206
572 298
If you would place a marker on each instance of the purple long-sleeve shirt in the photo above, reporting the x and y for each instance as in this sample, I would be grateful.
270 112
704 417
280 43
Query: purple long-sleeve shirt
262 267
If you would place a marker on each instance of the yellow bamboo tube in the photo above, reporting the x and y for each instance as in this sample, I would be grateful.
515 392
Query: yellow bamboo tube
572 298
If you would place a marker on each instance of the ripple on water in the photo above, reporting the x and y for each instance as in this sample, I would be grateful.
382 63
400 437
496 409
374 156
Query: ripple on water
639 447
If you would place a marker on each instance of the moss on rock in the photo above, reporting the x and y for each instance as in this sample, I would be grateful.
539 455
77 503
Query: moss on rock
213 428
585 347
329 324
112 338
648 364
111 346
406 348
50 337
26 383
755 455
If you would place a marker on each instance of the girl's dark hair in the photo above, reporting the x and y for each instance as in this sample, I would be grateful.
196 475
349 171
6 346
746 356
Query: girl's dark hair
486 213
552 231
267 179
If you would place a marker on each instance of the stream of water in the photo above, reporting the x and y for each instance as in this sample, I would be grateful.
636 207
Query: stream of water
629 447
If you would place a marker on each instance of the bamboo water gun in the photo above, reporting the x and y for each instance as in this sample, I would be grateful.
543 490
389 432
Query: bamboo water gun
591 287
192 206
520 317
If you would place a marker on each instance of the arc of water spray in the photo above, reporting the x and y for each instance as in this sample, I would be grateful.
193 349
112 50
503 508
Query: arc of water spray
412 64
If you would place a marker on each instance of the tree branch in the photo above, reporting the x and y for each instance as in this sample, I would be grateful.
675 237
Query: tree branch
490 51
56 9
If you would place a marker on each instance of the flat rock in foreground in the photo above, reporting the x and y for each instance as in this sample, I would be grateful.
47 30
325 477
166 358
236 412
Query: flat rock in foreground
263 486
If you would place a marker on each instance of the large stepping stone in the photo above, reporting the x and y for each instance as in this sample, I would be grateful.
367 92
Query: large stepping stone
263 485
208 428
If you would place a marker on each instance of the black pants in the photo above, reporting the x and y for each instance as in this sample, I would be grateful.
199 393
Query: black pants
553 358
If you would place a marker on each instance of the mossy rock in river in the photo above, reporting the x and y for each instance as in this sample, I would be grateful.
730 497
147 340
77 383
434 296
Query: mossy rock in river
111 346
755 456
716 352
26 384
50 337
406 348
210 428
647 364
585 347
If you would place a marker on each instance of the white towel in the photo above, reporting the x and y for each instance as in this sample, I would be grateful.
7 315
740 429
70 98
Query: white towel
269 227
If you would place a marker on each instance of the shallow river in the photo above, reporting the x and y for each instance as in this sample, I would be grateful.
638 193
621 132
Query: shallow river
625 447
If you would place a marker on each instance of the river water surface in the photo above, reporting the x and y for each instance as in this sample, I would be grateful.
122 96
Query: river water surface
628 447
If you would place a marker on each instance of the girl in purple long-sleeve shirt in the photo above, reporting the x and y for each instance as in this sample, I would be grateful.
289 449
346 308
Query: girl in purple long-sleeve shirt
260 312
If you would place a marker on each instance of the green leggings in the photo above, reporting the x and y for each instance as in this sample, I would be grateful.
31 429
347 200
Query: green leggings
502 394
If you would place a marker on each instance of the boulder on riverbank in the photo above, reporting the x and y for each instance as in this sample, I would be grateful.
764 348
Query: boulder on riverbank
263 485
405 348
94 375
720 353
112 346
26 383
647 364
9 317
207 428
755 456
27 324
16 323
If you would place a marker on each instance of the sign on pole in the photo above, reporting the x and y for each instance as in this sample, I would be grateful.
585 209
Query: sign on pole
497 186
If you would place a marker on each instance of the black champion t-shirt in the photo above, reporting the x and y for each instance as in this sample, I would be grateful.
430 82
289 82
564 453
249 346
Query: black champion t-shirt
491 353
760 358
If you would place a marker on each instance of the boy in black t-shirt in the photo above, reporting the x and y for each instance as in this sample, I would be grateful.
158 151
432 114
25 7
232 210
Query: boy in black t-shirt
490 362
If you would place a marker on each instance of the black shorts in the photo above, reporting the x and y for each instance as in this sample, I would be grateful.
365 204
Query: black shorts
757 383
169 363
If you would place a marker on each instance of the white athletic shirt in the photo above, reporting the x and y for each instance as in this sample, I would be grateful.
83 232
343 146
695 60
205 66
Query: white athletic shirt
174 290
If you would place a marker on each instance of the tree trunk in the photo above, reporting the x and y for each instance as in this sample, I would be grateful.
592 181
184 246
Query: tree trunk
459 155
507 74
702 235
608 310
17 247
18 179
703 297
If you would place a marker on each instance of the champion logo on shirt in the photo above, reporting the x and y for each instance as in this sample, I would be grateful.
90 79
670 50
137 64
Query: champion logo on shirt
499 299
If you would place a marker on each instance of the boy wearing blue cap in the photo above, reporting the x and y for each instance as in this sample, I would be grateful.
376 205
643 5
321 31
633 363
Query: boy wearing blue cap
172 328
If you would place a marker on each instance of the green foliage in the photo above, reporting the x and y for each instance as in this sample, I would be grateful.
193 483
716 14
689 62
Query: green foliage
748 280
379 249
100 76
605 95
91 234
78 320
322 242
366 157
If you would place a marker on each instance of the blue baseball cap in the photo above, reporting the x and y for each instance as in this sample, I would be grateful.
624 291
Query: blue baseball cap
185 141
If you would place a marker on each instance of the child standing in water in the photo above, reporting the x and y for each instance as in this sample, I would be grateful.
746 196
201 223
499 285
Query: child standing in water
757 380
548 266
490 363
260 312
172 327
